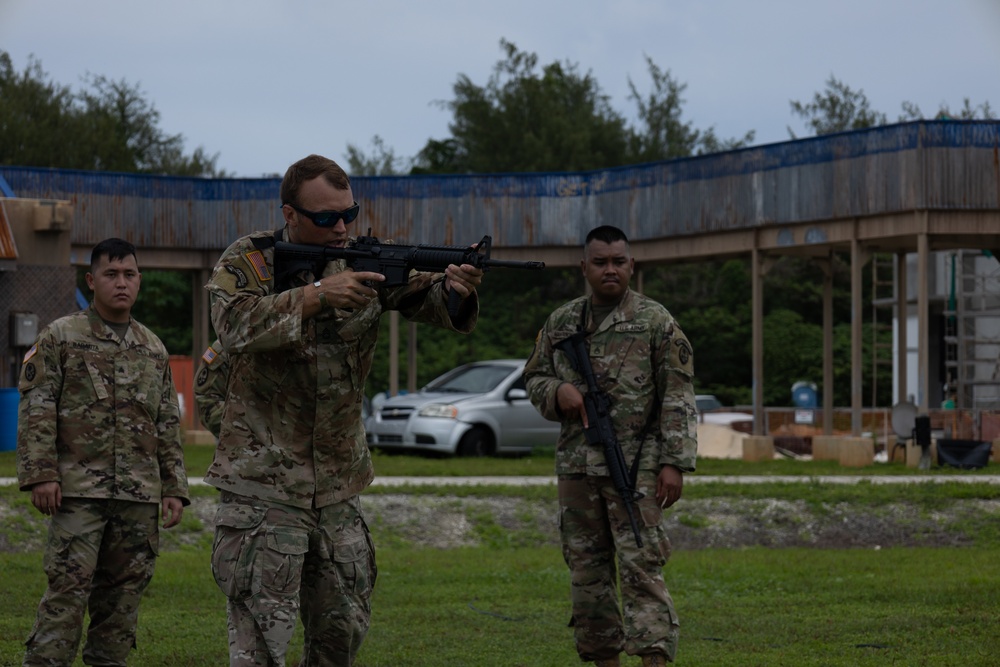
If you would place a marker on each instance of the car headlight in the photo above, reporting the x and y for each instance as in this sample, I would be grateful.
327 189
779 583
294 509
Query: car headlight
439 410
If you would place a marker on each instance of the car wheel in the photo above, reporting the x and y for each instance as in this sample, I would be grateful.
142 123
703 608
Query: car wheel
477 442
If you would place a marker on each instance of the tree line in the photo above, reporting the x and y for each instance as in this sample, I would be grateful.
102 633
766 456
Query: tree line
526 117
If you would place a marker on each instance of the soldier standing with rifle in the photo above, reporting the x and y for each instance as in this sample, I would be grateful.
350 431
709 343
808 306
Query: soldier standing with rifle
642 367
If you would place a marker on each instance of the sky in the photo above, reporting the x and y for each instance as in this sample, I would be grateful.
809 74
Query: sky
262 83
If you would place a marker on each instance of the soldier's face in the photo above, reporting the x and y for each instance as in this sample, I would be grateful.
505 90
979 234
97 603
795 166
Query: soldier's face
115 284
318 195
607 268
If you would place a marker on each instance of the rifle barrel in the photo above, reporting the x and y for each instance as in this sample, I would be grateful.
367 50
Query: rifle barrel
513 264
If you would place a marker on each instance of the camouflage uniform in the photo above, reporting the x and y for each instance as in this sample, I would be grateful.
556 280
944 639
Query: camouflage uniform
99 415
292 455
210 386
644 362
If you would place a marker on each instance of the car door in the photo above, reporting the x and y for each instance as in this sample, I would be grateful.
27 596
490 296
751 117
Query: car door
523 426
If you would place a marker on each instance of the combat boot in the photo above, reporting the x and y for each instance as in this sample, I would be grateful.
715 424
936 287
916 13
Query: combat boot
655 660
608 662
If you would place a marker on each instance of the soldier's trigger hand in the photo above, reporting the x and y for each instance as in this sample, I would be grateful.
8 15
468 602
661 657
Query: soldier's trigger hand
570 401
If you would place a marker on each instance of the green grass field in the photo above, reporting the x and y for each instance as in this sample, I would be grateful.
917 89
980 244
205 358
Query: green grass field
493 606
486 608
199 457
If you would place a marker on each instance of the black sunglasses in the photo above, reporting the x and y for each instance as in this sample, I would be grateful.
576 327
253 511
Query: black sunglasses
329 218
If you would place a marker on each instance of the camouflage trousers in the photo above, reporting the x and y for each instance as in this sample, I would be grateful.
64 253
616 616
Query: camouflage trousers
599 548
99 559
266 553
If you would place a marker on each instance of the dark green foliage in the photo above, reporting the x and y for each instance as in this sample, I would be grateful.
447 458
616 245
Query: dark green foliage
106 126
525 120
792 348
512 310
165 305
662 135
557 119
837 109
840 108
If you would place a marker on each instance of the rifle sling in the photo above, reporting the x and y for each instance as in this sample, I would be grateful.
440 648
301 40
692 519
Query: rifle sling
265 242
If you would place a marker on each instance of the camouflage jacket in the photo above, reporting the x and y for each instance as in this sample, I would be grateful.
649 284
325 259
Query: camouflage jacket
291 428
643 361
210 386
98 414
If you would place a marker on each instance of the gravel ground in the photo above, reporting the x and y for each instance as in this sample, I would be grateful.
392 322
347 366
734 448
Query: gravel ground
445 522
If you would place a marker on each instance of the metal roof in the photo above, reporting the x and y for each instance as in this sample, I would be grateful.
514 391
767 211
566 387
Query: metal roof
909 166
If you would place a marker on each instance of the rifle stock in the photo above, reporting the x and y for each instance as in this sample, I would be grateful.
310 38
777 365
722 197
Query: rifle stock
601 431
367 253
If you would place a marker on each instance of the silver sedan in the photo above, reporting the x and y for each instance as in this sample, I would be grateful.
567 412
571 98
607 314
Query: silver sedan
478 409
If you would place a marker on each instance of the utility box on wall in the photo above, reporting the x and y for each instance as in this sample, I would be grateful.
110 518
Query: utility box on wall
23 329
52 216
41 230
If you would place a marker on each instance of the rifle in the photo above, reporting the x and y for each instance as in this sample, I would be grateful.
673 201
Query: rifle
367 253
601 431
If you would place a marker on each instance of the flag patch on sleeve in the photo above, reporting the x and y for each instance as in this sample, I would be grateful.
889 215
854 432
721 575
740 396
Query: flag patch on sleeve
256 260
209 355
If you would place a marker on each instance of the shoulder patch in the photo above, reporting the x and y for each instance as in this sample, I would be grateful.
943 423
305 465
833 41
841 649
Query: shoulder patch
682 352
256 260
29 354
203 376
241 278
533 357
209 355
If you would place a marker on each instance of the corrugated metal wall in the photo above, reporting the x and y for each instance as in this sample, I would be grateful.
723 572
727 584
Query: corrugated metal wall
910 166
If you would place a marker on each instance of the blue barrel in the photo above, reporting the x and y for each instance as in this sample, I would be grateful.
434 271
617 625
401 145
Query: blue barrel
9 398
804 395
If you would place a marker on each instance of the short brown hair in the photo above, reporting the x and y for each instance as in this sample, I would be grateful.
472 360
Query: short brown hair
606 234
113 248
307 169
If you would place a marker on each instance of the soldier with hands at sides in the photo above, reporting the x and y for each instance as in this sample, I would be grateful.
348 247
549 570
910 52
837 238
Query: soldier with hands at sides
643 361
99 449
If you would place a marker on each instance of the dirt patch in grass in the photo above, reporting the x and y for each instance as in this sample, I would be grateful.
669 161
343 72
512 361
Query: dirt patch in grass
445 522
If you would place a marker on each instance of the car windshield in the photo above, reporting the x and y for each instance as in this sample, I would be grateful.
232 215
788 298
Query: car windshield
470 379
707 403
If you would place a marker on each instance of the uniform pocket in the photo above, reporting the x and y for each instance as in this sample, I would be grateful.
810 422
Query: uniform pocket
150 386
360 324
154 543
281 566
355 564
57 551
233 549
652 519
